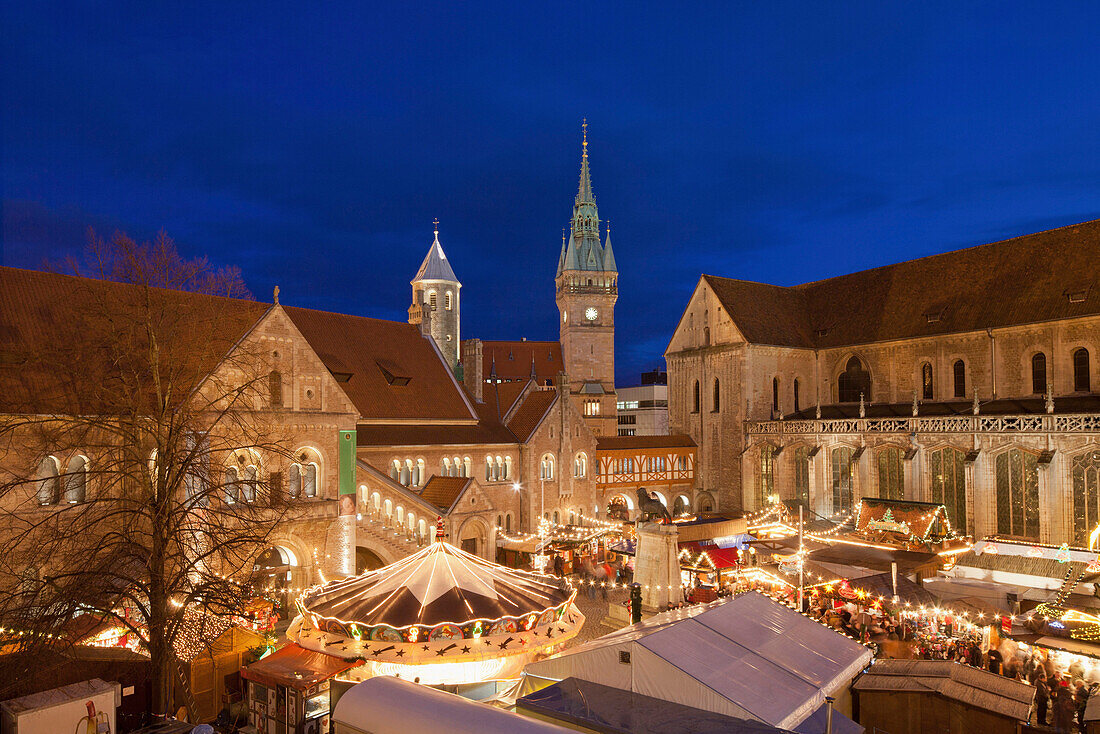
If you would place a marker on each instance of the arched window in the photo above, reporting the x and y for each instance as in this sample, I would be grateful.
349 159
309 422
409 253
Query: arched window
422 529
802 476
891 474
468 467
796 396
446 471
447 300
431 300
294 483
959 370
49 483
949 484
580 465
419 472
507 467
853 382
1086 496
387 509
403 473
400 515
1039 373
1081 381
842 479
546 467
76 480
695 398
508 523
1017 479
458 468
309 482
251 479
395 470
376 501
231 485
500 521
717 396
926 385
775 394
488 468
275 388
765 475
557 517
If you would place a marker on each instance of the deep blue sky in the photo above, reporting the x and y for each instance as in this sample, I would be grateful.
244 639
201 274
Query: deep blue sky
781 142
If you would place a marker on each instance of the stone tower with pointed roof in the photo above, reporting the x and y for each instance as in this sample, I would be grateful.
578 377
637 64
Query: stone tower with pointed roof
435 301
587 288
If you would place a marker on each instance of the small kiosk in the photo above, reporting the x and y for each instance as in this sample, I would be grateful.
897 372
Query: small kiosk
289 690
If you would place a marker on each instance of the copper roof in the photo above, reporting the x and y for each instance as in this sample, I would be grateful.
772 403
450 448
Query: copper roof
625 443
443 492
963 290
387 368
528 416
512 360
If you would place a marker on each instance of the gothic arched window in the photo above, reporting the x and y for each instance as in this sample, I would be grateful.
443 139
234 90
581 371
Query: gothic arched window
765 475
1081 381
695 398
309 481
891 474
294 482
959 370
949 484
802 476
853 382
1039 373
1086 496
842 479
926 387
1017 479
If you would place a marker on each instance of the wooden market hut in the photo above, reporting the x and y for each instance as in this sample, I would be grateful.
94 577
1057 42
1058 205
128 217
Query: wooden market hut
212 668
915 696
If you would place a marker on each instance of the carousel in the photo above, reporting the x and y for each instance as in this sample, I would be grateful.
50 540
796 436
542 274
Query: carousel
441 616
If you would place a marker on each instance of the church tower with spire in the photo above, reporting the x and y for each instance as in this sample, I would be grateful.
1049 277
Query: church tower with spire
587 288
435 301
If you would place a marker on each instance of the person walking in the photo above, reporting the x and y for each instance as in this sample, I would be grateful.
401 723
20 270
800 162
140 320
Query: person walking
1042 701
1080 700
1064 708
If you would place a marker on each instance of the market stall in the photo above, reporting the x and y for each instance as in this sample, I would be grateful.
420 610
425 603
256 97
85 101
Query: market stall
289 690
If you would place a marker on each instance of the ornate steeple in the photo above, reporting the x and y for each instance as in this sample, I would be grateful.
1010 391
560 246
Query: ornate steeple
584 251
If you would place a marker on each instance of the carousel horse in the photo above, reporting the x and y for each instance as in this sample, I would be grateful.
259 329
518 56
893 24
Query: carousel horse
650 508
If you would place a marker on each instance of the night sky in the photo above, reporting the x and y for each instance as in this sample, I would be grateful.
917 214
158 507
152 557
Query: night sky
771 141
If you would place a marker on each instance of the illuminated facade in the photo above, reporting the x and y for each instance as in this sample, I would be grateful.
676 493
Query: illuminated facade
930 380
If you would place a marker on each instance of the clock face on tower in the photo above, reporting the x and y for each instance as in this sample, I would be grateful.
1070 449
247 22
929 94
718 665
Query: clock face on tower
591 313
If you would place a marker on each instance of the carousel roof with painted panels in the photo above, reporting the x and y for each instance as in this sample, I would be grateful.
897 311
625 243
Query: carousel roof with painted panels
439 584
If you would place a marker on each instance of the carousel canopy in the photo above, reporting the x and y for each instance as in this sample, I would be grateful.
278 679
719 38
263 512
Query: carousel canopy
441 583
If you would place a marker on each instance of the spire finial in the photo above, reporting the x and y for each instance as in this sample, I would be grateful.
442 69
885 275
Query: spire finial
584 133
435 224
608 227
276 295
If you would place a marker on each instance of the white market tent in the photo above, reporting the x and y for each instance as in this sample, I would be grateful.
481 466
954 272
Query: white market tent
747 656
384 705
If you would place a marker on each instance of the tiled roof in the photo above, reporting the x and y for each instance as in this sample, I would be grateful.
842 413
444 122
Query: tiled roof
44 317
621 443
512 360
527 417
500 397
444 491
386 367
957 291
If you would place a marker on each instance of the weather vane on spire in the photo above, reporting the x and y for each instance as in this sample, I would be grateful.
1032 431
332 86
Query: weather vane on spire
435 224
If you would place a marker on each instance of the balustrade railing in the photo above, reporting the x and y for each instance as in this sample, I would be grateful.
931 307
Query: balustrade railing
1077 423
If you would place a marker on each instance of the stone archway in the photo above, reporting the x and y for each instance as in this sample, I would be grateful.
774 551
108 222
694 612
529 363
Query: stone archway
473 537
367 560
620 507
704 502
681 505
276 573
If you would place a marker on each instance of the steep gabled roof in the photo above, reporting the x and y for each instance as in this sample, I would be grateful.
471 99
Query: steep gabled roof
529 414
512 360
388 370
443 492
1034 278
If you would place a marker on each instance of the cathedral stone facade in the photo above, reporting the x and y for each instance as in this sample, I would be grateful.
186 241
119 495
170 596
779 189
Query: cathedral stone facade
967 378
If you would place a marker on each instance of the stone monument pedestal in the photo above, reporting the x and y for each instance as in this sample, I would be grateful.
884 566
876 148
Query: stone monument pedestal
657 566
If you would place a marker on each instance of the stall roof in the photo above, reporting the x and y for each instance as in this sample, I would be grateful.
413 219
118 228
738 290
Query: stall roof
747 657
879 559
908 591
611 710
954 681
295 667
